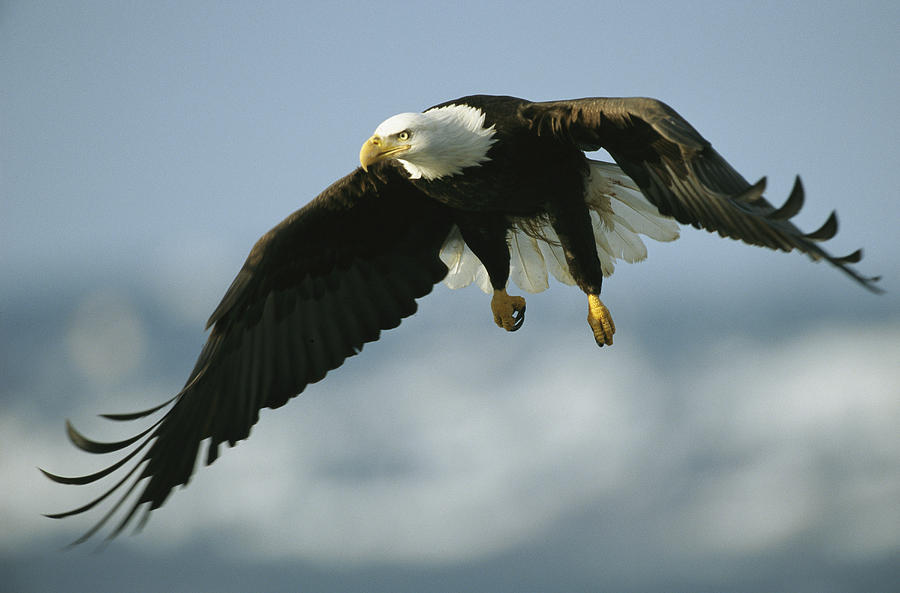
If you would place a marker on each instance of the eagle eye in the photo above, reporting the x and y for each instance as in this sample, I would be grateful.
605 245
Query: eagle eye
404 135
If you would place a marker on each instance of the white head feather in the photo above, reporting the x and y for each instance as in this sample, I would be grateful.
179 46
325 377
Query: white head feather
443 141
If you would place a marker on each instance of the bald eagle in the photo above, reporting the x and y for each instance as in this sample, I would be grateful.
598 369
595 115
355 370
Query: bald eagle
480 189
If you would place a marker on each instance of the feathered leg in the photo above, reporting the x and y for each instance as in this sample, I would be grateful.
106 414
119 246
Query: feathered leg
485 234
572 222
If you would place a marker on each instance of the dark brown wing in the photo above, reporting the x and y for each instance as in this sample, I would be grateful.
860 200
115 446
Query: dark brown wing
680 172
313 290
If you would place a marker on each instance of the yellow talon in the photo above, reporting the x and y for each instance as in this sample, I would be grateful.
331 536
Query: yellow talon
600 321
509 311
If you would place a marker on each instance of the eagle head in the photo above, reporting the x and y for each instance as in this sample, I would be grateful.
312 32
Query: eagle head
439 142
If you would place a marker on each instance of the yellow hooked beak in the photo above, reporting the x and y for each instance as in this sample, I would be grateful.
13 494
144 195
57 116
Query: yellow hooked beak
377 148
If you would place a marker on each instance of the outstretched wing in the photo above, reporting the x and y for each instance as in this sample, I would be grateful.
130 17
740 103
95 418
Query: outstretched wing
313 290
680 172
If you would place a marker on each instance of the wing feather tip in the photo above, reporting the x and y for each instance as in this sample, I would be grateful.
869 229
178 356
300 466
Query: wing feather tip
97 447
826 231
792 205
754 192
851 258
56 478
871 284
78 439
53 515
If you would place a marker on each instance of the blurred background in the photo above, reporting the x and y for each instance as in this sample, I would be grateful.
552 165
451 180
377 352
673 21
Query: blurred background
741 435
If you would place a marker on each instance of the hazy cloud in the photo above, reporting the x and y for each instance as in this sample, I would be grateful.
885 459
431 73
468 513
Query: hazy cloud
774 442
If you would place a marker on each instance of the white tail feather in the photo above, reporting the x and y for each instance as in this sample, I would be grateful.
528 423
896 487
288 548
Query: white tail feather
459 259
555 257
619 214
526 264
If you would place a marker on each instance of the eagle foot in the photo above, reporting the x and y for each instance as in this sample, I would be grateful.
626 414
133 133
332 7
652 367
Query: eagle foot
509 311
600 321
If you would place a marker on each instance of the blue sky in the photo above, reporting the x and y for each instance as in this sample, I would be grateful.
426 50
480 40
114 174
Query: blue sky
740 435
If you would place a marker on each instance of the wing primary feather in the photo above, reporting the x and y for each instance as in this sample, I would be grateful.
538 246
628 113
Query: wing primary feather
285 382
826 231
853 258
753 193
295 336
349 316
252 396
387 308
868 282
126 519
103 520
269 328
293 356
240 375
399 287
222 422
137 415
89 478
142 522
220 417
321 317
315 356
792 205
99 499
363 307
338 339
86 444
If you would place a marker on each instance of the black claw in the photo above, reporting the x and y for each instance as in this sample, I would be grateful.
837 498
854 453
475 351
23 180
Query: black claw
519 316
